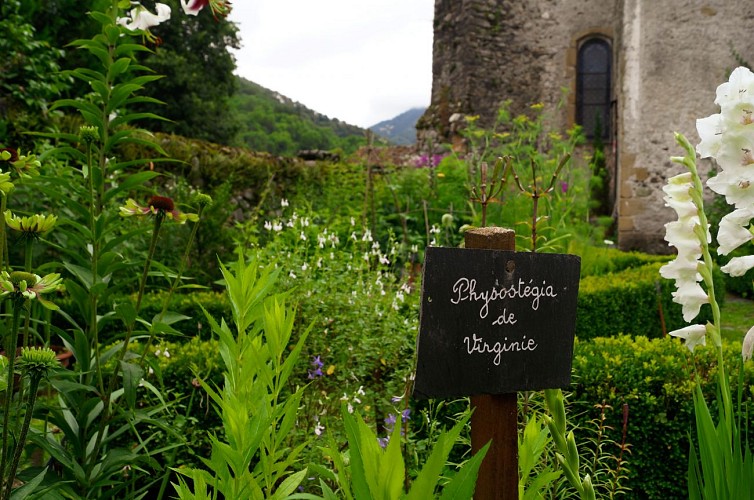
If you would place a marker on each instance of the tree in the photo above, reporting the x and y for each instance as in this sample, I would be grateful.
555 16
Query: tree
193 54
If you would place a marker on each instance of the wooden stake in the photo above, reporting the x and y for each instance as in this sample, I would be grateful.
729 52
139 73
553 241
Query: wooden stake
495 416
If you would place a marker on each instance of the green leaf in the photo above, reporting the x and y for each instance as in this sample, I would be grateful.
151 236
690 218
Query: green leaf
131 182
126 312
118 68
28 487
132 375
289 485
463 483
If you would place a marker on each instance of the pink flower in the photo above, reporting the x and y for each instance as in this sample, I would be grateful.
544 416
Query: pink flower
192 7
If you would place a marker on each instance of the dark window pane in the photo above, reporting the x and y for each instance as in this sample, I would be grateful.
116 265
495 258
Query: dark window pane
593 87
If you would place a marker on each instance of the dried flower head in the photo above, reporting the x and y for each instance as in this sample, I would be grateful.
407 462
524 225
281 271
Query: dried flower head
161 206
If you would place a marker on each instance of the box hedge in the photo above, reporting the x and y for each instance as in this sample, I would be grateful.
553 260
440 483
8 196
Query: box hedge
655 377
633 301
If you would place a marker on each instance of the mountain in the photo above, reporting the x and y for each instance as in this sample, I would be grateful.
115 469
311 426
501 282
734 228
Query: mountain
400 130
278 125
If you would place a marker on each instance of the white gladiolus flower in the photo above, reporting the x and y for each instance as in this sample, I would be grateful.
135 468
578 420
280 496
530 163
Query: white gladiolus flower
691 296
733 232
738 265
748 344
694 335
681 235
739 89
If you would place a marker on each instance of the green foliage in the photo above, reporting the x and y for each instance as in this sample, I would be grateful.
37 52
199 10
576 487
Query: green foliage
597 260
279 126
30 77
534 478
633 301
380 473
255 457
654 378
194 55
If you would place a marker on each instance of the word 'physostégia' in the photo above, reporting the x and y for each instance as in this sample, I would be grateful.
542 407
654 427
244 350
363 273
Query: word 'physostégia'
464 290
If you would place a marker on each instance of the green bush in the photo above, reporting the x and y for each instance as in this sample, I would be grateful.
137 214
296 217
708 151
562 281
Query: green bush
186 304
599 260
655 378
631 301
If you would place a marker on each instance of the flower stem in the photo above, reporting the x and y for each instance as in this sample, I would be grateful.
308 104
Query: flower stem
174 285
10 350
33 387
129 331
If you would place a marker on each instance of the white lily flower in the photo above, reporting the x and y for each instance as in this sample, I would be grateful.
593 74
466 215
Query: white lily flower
142 19
694 335
738 265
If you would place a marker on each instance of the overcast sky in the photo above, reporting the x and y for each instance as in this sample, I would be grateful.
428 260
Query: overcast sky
361 61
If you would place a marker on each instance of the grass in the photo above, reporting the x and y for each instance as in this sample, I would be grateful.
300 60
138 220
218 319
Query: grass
737 315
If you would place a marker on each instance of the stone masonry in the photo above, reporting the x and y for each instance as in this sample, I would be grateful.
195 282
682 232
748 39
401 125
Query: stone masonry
668 58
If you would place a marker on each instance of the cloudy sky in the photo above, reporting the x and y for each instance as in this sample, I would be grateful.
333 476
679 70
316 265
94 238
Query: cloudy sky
361 61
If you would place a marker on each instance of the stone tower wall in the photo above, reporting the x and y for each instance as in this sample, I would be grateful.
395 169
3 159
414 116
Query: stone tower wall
668 58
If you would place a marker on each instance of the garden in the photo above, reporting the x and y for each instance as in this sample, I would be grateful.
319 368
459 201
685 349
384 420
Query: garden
187 320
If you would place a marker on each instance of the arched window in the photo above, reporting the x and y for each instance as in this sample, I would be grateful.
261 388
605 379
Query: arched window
593 86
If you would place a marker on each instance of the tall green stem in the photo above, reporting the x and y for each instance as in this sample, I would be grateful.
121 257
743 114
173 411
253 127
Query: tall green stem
10 350
3 208
33 387
129 331
174 285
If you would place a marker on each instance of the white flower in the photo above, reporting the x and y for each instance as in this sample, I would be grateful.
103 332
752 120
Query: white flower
318 429
142 19
283 203
691 296
733 232
192 7
739 89
268 225
748 344
694 335
682 235
738 265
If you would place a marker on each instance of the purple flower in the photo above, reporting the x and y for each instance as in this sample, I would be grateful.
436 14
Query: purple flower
314 374
390 420
317 363
563 186
383 442
405 415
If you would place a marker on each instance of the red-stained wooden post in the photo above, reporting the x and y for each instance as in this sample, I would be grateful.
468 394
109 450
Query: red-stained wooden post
495 417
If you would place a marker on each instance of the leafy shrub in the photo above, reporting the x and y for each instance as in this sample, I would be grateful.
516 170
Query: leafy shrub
655 378
630 302
184 304
598 260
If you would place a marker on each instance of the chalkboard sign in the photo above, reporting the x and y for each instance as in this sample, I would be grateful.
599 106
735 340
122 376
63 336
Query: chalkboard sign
495 322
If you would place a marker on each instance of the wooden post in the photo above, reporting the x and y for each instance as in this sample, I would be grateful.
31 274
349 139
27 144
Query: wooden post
495 417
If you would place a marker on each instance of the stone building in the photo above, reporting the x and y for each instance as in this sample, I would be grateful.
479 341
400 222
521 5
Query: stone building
641 68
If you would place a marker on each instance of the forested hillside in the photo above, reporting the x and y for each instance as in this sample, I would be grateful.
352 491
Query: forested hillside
273 123
200 95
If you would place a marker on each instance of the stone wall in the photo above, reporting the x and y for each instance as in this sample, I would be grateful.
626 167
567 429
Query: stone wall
668 58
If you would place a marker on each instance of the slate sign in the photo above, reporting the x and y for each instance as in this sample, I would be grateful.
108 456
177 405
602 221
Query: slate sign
495 322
